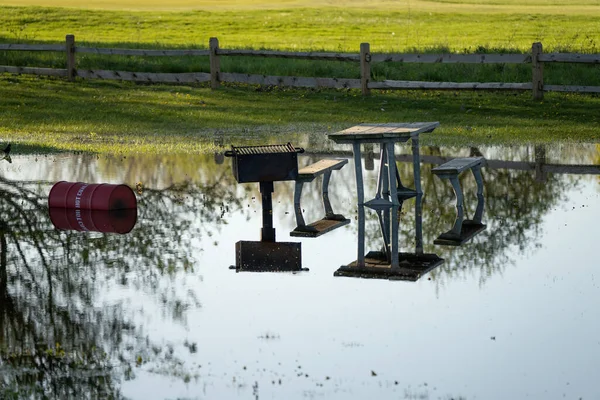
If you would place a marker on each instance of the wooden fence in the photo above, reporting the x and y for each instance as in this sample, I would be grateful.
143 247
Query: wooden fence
537 59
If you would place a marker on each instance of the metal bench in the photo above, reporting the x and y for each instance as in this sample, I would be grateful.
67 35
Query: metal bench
463 229
331 220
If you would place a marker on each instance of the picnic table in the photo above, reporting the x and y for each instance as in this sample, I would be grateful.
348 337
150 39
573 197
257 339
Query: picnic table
390 191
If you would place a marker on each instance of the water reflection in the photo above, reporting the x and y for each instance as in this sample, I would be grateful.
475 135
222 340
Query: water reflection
91 315
61 334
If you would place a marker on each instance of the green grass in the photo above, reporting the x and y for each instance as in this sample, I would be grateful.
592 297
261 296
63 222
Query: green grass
117 117
325 28
457 28
114 117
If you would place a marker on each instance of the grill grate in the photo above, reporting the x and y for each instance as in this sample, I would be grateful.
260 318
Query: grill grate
268 149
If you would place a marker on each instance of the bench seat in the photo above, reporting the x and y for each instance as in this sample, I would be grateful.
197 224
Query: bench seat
310 172
458 165
331 220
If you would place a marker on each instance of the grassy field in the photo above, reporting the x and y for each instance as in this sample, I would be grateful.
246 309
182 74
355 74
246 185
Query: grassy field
101 116
387 26
554 6
121 117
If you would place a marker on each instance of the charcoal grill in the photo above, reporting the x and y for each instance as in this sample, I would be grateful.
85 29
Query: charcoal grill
267 163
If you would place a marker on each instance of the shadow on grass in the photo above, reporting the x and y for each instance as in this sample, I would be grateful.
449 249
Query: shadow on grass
48 112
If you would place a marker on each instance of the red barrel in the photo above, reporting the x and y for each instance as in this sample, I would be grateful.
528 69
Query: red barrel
91 196
115 221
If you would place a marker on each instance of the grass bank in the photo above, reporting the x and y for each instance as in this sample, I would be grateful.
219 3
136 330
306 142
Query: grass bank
114 117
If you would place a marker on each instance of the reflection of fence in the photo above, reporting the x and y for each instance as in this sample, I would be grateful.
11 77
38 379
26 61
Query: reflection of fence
537 59
540 167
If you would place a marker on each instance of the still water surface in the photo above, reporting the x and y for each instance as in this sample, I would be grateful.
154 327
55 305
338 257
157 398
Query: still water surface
157 313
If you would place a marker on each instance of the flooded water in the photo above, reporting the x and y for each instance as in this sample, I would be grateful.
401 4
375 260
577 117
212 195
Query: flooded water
157 313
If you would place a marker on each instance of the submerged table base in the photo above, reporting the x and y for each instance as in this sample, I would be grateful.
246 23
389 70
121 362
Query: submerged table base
411 266
385 264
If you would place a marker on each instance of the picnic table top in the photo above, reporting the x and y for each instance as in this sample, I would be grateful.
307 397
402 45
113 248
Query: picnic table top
398 131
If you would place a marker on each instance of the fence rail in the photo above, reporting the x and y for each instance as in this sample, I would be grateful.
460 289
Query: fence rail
365 58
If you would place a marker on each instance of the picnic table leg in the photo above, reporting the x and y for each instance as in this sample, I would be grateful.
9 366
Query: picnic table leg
383 191
416 164
386 196
419 224
360 195
384 215
391 159
382 174
360 257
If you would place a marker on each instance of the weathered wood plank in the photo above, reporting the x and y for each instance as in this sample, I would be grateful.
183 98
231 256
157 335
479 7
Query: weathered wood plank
572 88
191 77
294 81
141 52
388 84
457 165
376 132
318 228
33 71
310 55
454 58
33 47
570 58
320 167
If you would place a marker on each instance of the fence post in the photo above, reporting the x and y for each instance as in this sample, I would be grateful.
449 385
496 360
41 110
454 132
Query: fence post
70 49
215 63
540 160
365 68
537 72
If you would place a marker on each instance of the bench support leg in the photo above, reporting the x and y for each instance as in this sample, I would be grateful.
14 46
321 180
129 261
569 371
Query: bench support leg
480 202
460 214
297 209
325 189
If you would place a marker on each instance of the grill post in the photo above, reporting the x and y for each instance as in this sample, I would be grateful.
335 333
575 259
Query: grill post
267 232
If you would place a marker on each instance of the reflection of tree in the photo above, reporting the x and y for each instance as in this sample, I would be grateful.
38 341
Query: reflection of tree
515 205
59 335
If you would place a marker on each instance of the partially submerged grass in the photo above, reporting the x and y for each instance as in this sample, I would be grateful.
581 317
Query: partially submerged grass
113 117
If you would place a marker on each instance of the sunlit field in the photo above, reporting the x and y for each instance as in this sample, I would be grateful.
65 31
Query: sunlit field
310 25
539 6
